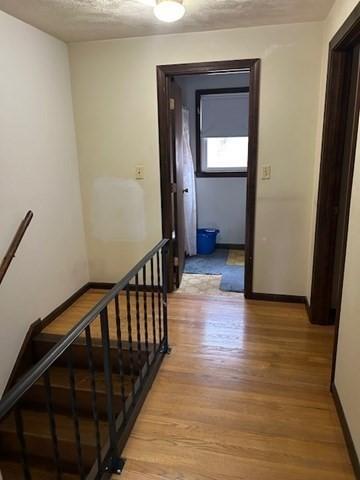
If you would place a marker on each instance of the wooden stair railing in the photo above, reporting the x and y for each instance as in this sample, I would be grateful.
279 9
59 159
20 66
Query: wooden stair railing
70 415
10 254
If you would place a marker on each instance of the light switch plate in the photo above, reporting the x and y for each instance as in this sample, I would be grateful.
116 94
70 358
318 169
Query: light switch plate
266 172
139 172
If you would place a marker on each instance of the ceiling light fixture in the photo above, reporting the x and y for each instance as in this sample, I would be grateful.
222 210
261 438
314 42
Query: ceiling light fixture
169 10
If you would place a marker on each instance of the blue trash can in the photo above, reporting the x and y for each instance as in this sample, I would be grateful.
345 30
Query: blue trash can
206 240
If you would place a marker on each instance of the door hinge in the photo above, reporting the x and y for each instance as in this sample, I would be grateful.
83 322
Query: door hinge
176 261
172 103
173 188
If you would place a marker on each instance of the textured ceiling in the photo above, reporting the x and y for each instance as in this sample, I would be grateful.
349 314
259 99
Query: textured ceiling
77 20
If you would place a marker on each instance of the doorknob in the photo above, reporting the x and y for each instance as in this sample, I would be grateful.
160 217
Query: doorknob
186 190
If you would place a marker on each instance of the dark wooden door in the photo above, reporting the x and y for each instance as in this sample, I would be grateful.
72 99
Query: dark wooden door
178 183
347 167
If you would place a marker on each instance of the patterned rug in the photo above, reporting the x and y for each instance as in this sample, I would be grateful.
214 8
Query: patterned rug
196 284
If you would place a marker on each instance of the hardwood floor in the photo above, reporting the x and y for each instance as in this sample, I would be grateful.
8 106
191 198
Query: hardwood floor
244 395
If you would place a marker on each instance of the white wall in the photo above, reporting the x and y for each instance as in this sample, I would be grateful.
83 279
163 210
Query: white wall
221 204
227 208
347 376
39 171
338 14
114 89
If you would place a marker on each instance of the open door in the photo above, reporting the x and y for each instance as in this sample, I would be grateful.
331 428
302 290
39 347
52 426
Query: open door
171 167
178 190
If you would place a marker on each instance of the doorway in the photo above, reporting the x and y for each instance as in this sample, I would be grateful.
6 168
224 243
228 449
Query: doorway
220 155
336 172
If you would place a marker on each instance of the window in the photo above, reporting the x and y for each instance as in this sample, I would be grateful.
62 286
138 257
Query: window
222 132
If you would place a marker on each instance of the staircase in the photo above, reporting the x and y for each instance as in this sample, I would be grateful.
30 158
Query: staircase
36 420
70 415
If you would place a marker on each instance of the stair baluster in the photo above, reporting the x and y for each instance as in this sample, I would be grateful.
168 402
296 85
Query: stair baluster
92 371
74 410
104 320
131 350
21 438
120 355
52 423
153 301
145 316
164 266
159 293
68 417
138 332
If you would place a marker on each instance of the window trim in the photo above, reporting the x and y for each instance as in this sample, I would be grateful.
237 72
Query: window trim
198 94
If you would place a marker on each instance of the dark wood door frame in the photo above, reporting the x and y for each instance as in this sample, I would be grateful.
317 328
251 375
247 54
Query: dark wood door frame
340 107
164 74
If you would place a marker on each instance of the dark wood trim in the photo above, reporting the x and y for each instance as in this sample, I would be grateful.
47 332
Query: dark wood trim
164 73
221 174
163 93
274 297
219 91
24 358
354 458
14 245
225 66
231 246
347 35
338 110
44 322
198 94
252 175
308 309
102 285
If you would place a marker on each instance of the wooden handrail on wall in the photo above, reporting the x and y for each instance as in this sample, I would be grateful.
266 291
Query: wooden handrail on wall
10 254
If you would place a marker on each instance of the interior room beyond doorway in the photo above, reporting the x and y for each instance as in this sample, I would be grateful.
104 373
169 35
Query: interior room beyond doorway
215 119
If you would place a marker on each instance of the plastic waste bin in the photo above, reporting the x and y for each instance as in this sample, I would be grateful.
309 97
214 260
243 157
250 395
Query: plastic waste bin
206 240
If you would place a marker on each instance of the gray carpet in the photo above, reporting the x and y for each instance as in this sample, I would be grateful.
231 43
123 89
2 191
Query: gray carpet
233 279
212 264
215 264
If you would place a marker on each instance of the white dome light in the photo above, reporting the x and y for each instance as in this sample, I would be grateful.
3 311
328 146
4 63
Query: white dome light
169 10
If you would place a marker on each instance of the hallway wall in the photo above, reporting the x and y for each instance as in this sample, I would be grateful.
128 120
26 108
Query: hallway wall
338 14
221 202
38 171
347 377
115 100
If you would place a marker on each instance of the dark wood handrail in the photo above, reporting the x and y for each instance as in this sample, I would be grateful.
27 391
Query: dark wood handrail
10 254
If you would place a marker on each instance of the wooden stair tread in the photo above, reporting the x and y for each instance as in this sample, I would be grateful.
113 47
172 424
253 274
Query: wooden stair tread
132 359
59 378
36 424
13 471
81 341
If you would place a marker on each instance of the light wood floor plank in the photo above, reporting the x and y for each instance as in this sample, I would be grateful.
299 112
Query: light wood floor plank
244 395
